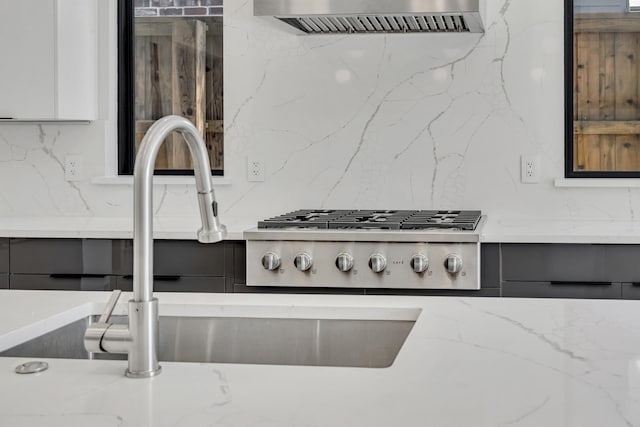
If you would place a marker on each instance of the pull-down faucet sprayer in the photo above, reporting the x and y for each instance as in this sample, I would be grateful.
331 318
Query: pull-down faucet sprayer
140 339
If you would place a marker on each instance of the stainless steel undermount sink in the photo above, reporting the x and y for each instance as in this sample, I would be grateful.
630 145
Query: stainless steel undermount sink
348 342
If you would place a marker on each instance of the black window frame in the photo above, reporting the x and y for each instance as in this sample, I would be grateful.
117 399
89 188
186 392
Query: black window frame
126 94
568 106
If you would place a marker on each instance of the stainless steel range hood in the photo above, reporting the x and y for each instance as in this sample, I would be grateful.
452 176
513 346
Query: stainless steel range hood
374 16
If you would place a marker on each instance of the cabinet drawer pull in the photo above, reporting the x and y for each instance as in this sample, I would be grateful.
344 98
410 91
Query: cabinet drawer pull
159 278
76 276
557 283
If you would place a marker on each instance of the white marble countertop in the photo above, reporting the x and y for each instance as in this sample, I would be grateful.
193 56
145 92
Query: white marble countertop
495 230
180 228
560 231
467 362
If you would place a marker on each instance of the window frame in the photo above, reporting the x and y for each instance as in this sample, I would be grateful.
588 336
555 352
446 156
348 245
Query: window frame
126 96
568 106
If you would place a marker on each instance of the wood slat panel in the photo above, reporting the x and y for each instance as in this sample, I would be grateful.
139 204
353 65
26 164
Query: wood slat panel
606 76
581 91
626 105
606 23
189 98
606 127
626 79
213 126
627 153
593 76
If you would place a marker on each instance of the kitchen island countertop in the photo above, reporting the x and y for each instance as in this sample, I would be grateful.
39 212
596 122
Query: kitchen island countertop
467 362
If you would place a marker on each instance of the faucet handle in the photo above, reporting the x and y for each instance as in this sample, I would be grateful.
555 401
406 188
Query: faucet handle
111 305
103 337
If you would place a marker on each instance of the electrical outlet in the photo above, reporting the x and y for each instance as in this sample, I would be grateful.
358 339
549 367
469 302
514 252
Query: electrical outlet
530 169
255 169
72 167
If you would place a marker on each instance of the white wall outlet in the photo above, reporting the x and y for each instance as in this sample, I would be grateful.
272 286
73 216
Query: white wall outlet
72 167
530 169
255 169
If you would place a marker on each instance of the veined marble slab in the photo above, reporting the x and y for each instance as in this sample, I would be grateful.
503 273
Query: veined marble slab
561 231
467 362
180 228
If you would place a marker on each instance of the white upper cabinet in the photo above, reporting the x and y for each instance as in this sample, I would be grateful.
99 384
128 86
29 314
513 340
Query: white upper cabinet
48 60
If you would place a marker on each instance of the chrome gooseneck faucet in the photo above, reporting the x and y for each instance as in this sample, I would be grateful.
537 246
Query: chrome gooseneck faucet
140 339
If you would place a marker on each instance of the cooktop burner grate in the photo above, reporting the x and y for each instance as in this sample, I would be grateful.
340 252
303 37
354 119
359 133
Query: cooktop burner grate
304 218
375 219
462 220
380 220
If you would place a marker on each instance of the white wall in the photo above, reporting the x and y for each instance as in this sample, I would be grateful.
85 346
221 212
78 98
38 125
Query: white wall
374 121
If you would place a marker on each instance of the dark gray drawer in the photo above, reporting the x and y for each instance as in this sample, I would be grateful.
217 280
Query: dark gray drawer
631 290
483 292
241 288
4 255
179 258
561 290
240 262
571 262
489 266
62 282
61 256
177 284
4 281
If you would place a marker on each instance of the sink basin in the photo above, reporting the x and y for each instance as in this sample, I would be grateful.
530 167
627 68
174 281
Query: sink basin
371 342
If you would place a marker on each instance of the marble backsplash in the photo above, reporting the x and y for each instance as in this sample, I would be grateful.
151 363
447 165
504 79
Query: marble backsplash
413 121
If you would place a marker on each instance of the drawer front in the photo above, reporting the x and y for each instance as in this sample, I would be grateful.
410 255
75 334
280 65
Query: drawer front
552 262
631 290
241 288
179 258
177 284
570 263
489 267
240 262
4 281
62 282
482 292
561 290
4 255
61 256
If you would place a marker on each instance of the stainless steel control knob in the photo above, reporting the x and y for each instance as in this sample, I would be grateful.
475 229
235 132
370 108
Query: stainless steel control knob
453 264
270 261
419 263
344 262
377 263
303 261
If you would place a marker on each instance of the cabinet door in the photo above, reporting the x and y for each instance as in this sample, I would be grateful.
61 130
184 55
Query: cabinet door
27 43
179 258
631 290
48 65
62 256
4 256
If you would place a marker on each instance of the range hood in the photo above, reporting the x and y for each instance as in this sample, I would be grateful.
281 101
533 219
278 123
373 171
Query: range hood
374 16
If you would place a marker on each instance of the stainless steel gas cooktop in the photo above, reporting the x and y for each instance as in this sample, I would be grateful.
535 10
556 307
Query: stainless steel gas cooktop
410 249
